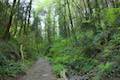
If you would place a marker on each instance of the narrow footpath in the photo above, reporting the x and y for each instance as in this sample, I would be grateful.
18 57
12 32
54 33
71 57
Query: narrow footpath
41 70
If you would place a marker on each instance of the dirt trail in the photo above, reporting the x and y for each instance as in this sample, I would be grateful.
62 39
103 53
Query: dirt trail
41 70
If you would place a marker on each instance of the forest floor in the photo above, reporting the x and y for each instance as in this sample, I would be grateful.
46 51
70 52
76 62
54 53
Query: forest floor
41 70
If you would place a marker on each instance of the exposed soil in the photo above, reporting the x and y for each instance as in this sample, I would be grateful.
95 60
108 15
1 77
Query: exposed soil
41 70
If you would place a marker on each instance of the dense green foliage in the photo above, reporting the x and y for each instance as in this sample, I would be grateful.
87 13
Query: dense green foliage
78 37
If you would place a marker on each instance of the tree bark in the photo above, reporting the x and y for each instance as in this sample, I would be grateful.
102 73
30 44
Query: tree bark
6 33
71 21
29 13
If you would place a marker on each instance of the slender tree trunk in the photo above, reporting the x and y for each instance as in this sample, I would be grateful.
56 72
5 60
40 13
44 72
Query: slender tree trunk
6 33
29 12
25 20
106 2
90 9
22 23
85 9
17 17
71 21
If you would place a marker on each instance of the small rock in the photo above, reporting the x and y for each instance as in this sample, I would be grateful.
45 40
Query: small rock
44 75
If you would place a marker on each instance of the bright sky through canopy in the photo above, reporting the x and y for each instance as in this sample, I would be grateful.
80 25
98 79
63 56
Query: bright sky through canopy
38 4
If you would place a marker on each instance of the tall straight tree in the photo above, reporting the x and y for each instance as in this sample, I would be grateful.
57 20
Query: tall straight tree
17 19
6 33
71 21
29 12
89 7
62 19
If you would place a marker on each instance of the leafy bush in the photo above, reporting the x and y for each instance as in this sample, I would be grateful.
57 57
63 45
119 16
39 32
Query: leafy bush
103 69
95 52
10 64
11 68
111 17
71 58
57 68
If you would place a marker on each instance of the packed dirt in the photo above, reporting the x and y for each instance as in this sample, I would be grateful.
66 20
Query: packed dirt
41 70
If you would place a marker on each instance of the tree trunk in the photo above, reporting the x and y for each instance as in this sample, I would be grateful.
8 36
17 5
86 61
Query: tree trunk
29 12
71 21
6 33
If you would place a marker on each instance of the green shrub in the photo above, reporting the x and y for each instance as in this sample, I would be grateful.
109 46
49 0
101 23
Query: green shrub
57 68
11 68
103 69
111 17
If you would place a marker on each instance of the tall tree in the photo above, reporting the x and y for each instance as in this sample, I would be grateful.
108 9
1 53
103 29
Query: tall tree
7 34
71 21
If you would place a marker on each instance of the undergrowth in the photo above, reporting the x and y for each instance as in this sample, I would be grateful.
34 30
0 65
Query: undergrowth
95 53
14 60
